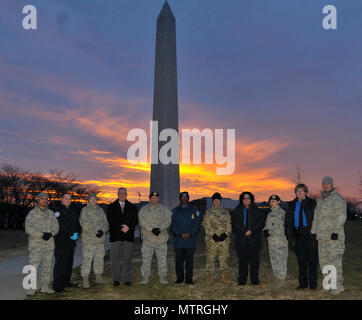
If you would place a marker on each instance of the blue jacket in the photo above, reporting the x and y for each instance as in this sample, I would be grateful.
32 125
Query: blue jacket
185 220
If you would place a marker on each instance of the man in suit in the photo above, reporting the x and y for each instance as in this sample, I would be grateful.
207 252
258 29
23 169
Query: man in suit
122 217
299 220
247 223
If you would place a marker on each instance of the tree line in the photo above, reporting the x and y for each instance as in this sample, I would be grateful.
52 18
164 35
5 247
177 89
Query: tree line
19 189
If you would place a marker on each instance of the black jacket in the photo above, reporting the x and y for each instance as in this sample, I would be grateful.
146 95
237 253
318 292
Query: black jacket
256 222
116 219
68 220
308 205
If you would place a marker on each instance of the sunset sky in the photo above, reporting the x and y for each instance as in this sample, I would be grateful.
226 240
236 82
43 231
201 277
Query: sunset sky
72 89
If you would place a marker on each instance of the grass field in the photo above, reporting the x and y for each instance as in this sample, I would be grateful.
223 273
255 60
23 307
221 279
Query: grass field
352 264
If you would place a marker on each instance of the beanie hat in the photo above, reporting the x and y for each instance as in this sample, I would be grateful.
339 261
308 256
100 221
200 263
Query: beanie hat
216 195
184 194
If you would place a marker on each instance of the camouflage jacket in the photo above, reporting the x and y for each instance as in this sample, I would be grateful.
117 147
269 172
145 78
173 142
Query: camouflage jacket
275 223
154 216
39 221
217 221
93 219
330 216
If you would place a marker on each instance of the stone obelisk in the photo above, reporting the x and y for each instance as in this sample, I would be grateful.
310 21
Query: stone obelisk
165 179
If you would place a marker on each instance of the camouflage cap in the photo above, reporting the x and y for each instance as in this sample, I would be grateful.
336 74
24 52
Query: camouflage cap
327 180
92 195
43 195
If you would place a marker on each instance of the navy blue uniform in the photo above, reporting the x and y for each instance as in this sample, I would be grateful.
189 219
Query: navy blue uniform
185 219
68 220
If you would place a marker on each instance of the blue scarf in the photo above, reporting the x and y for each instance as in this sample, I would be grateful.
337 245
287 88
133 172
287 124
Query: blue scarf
245 216
296 215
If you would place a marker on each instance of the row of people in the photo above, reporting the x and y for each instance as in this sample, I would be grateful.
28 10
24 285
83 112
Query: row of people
57 233
314 229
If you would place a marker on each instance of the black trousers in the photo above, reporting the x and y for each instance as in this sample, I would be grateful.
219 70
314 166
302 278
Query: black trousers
63 266
306 250
248 254
184 262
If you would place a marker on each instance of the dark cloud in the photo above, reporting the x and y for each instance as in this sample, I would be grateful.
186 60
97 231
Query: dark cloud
265 68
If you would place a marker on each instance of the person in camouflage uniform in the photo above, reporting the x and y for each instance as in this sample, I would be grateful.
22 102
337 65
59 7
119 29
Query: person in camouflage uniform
154 219
274 231
328 225
41 225
94 226
217 226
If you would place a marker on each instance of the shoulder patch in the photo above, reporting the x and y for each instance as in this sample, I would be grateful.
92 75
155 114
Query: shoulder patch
57 214
197 213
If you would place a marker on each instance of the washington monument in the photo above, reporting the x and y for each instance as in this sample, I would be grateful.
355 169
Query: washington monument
165 179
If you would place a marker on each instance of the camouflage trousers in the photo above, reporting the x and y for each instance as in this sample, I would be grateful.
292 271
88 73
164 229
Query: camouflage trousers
41 253
92 252
278 253
331 253
148 249
217 251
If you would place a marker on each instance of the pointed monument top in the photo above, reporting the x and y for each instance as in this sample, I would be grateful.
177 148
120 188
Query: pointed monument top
166 11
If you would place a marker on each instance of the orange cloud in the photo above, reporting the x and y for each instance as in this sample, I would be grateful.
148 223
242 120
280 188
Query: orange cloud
199 180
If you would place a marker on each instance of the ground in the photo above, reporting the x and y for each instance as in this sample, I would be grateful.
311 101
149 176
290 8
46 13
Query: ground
13 244
352 272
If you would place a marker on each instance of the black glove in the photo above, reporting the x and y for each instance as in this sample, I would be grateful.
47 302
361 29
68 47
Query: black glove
46 236
99 233
266 233
156 231
334 236
313 236
223 237
216 237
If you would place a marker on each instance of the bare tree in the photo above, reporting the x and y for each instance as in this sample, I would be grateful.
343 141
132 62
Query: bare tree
61 183
36 183
13 181
19 189
298 176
